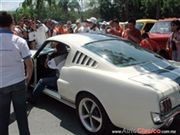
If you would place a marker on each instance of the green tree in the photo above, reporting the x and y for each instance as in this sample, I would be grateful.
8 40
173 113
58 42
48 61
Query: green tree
68 6
104 9
108 10
171 8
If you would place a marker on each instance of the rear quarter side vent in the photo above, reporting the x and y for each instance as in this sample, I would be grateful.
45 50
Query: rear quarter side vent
82 59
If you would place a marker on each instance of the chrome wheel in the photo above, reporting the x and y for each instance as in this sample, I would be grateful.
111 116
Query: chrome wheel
90 115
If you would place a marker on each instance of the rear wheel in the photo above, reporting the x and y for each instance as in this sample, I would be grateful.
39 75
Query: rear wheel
92 115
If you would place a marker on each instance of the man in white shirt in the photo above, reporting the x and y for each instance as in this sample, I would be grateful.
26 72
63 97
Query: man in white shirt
41 33
14 54
38 34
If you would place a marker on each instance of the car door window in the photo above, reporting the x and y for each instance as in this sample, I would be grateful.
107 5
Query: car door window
49 50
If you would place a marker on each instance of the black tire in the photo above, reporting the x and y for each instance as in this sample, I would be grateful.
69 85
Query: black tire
92 115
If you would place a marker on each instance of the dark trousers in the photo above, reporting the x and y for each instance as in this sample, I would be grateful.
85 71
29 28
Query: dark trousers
49 82
17 94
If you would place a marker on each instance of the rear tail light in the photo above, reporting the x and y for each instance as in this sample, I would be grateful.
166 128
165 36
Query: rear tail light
165 105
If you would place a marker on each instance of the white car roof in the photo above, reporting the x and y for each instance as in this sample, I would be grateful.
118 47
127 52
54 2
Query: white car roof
80 39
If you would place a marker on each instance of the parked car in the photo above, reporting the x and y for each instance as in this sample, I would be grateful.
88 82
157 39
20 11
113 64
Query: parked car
160 32
112 81
144 25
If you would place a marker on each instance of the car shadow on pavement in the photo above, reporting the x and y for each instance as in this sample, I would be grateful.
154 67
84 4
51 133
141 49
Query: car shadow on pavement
64 113
69 120
175 126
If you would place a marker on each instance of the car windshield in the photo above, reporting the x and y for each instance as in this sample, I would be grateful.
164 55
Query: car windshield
161 27
121 52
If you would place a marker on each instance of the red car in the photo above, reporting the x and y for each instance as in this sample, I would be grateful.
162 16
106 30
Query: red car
160 32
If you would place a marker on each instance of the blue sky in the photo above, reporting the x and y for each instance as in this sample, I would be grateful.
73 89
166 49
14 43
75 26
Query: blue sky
9 5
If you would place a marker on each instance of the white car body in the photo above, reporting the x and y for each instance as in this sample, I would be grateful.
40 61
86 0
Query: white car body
130 95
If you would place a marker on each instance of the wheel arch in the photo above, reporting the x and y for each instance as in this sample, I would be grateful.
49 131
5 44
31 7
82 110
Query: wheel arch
83 92
107 121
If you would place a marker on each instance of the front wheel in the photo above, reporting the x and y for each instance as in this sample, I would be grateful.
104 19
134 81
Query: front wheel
92 115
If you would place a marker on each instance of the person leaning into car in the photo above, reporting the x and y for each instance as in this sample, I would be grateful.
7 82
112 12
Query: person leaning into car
14 54
53 63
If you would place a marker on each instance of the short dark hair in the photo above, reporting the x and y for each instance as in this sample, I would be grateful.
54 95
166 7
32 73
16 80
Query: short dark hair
132 20
5 19
177 23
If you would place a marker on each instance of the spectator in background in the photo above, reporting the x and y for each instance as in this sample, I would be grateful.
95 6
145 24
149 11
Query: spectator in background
177 41
59 29
131 33
26 27
32 35
56 30
85 27
17 30
149 44
115 28
50 24
14 54
173 43
92 24
69 27
41 33
103 27
79 27
38 34
21 28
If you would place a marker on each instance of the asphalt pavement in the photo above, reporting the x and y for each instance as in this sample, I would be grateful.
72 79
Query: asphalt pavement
51 117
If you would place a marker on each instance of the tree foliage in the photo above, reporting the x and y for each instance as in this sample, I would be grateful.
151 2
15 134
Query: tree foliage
104 9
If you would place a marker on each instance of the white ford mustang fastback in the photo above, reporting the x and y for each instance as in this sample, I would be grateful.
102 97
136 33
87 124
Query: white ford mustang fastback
111 81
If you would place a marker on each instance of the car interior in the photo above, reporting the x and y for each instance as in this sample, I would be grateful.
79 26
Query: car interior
40 70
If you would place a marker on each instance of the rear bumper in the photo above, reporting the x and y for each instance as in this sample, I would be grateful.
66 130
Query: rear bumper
165 119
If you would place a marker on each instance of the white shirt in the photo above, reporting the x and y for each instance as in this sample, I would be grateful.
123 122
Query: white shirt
32 36
82 29
57 62
13 49
41 35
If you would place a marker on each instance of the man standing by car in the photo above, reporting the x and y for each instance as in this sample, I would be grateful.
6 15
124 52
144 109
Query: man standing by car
173 43
14 54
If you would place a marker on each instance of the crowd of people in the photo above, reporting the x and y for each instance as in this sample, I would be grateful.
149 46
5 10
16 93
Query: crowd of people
36 32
